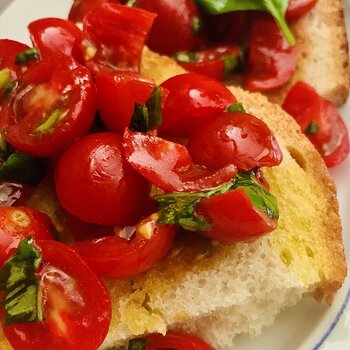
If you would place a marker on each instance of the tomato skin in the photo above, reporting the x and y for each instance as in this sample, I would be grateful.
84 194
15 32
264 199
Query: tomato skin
271 60
115 257
168 165
54 81
81 8
116 95
235 138
332 137
233 218
56 35
175 341
193 101
17 223
95 183
210 62
116 35
86 322
299 8
174 21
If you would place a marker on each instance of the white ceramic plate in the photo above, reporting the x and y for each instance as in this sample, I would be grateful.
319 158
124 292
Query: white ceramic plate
308 326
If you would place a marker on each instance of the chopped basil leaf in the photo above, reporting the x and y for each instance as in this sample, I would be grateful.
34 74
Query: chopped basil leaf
27 55
149 116
50 122
180 208
20 285
231 62
6 83
137 344
196 24
186 57
236 107
312 128
130 3
277 8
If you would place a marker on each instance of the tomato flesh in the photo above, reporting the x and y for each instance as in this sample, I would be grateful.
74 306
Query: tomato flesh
235 138
234 218
193 101
76 305
115 257
95 183
175 341
116 96
114 37
299 8
271 60
56 35
169 166
17 223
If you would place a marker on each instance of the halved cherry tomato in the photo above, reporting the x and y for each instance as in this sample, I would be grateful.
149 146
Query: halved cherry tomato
114 37
234 218
116 96
299 8
56 35
76 305
81 8
235 138
320 121
17 223
210 62
168 165
55 104
175 341
177 26
271 60
115 257
95 183
192 102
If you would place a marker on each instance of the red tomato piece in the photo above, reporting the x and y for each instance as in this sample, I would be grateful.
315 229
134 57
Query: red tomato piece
235 138
320 121
299 8
95 183
271 60
211 62
55 104
116 96
114 37
168 165
81 8
234 218
76 305
115 257
56 35
176 27
175 341
193 101
17 223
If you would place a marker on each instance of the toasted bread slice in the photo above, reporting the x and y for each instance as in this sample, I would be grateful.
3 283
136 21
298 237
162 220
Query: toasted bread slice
226 290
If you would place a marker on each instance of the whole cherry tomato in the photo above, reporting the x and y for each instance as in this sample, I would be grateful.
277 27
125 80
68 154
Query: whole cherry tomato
234 218
56 35
116 257
114 37
193 101
17 223
299 8
215 63
168 165
76 305
81 8
175 341
54 105
177 26
320 121
235 138
95 183
271 60
116 96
